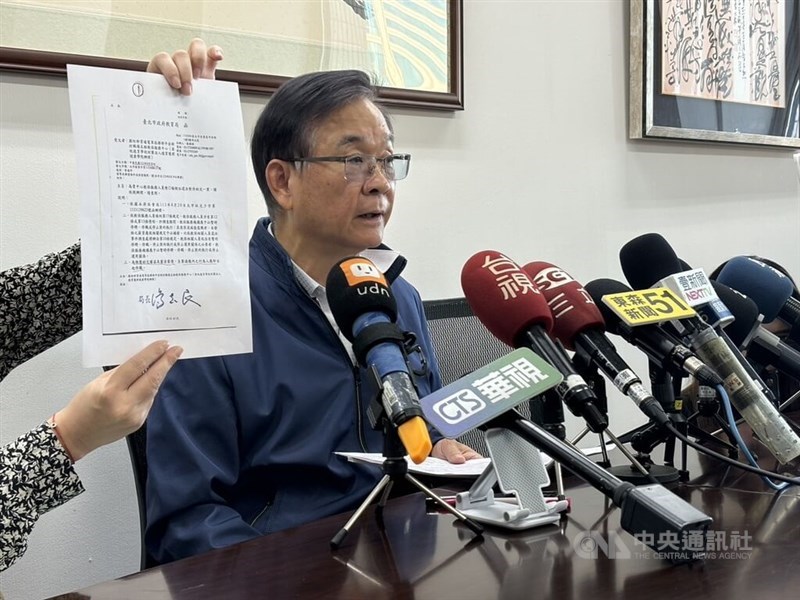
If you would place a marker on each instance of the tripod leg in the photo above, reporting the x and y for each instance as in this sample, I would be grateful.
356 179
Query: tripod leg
339 537
706 437
603 452
382 502
631 458
559 480
451 509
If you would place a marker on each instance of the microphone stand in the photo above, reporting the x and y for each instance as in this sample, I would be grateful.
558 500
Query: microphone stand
395 469
589 372
708 406
650 509
646 438
549 411
666 389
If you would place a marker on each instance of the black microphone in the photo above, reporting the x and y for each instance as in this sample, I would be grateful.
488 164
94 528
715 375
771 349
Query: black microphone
745 314
761 345
648 259
508 303
365 310
660 346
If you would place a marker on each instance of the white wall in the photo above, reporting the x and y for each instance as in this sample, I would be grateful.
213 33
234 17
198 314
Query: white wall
538 166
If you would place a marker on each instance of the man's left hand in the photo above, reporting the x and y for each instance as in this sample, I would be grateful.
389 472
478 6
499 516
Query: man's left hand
453 451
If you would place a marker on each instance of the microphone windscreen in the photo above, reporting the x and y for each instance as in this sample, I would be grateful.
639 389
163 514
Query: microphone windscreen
767 287
743 309
572 308
602 287
503 296
416 439
648 259
355 286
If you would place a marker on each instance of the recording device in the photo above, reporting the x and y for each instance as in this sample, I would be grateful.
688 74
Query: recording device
650 258
770 289
761 345
579 325
365 310
660 346
508 303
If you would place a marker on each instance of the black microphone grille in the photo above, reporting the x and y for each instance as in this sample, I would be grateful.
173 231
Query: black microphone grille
647 259
355 286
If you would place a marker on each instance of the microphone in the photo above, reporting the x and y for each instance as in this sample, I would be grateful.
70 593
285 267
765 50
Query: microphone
745 313
365 310
660 346
763 346
649 258
770 289
702 295
579 325
508 303
698 292
692 283
695 283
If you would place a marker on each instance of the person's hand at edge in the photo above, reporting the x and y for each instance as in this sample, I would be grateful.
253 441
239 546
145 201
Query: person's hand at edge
116 403
453 452
180 68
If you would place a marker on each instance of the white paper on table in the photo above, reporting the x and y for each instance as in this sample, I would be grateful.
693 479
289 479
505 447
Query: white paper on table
430 466
164 240
442 468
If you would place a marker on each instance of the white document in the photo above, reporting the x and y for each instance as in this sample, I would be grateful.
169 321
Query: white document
430 466
164 239
442 468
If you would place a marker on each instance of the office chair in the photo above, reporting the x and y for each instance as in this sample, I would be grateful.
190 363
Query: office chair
137 449
462 345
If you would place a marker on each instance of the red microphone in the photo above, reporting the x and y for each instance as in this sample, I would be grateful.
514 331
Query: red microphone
579 325
572 307
503 296
506 300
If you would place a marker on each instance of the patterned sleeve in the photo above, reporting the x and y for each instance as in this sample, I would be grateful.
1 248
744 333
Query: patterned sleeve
41 306
36 475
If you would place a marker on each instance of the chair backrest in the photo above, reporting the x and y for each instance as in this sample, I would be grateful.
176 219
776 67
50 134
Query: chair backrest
462 345
137 448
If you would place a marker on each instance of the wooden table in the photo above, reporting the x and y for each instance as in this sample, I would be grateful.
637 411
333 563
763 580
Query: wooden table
429 556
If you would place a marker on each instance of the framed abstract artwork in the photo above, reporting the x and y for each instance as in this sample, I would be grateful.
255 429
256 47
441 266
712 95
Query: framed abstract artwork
412 48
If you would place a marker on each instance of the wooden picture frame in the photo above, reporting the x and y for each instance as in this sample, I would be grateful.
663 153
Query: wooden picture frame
412 48
720 74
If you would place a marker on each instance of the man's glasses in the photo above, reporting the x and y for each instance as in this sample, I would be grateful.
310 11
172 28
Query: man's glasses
360 167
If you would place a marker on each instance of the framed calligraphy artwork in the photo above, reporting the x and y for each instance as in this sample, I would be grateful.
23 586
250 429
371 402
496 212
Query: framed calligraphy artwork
716 71
412 48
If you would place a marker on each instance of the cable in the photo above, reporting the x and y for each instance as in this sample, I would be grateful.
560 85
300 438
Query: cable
671 428
726 402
